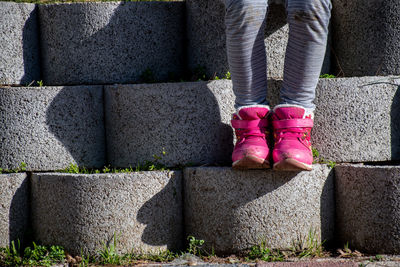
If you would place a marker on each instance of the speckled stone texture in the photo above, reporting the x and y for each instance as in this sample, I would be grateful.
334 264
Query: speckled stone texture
233 210
356 119
368 213
50 127
19 46
207 40
14 208
190 121
366 37
76 211
114 42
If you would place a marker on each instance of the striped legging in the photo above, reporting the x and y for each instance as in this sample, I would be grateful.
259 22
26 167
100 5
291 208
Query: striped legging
308 30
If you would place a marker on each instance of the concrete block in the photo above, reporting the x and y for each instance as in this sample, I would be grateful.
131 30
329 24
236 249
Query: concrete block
368 213
19 46
14 208
50 127
234 210
356 119
114 42
143 210
190 121
366 36
207 40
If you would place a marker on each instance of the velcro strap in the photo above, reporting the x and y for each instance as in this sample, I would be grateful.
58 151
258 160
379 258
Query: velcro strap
253 124
293 123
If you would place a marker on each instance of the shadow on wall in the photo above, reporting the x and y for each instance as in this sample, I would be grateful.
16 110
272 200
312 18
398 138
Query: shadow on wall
327 208
163 217
75 117
19 215
395 125
111 42
184 119
30 49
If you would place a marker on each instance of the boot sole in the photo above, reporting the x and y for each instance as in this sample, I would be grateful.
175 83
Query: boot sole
251 162
291 165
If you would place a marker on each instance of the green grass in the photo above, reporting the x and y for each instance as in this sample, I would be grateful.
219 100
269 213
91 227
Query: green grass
308 247
35 255
20 168
327 76
262 252
318 159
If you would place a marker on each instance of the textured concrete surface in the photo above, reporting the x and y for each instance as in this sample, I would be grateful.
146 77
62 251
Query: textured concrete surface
207 40
190 121
233 210
14 208
50 127
19 47
356 119
143 210
366 37
368 213
106 43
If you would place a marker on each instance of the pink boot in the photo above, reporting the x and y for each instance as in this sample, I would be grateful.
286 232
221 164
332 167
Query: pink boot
251 150
292 128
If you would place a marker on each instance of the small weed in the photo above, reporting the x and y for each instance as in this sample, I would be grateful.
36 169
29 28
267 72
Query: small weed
160 256
310 247
199 74
318 159
264 253
195 245
36 256
40 83
108 254
227 76
327 76
346 252
20 168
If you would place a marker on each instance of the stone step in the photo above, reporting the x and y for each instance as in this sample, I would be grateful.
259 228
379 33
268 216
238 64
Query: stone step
368 207
116 41
366 37
50 127
19 43
355 121
14 207
231 210
234 210
143 211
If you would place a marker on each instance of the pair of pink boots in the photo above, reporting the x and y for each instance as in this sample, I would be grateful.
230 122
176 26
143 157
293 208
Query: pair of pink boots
291 126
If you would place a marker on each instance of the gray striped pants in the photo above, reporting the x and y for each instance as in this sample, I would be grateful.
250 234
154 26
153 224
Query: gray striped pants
308 30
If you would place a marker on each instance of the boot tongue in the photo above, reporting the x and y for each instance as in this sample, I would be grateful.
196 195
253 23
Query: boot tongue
253 113
285 113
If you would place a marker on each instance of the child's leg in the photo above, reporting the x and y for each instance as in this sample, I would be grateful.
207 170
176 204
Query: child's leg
245 23
293 119
308 32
